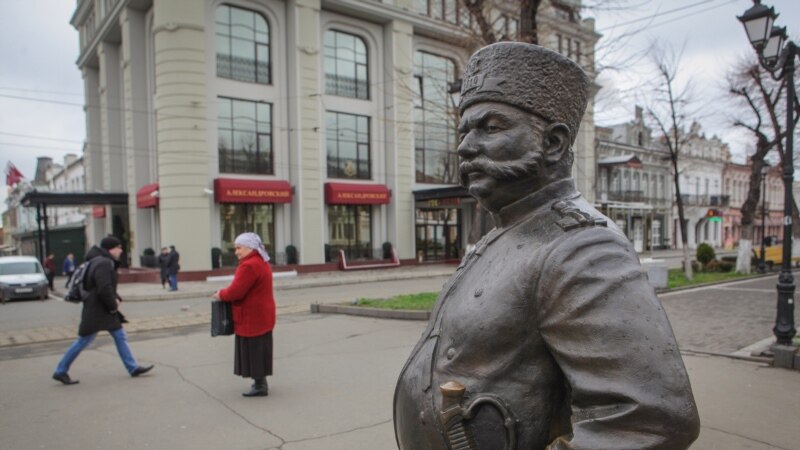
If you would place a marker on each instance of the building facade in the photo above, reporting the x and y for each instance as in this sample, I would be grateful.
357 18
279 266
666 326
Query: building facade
634 183
700 165
324 126
736 181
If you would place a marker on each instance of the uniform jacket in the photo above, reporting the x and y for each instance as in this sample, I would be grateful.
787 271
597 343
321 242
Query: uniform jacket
552 316
100 308
251 293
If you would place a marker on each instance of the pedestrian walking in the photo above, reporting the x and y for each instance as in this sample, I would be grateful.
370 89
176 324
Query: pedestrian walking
173 266
101 311
68 267
253 305
50 269
163 261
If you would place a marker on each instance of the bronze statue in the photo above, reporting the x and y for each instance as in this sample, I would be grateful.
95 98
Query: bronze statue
548 335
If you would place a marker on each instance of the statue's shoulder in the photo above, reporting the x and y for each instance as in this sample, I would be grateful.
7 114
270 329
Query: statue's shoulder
570 214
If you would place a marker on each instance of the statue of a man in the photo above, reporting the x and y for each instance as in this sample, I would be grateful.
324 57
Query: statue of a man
548 335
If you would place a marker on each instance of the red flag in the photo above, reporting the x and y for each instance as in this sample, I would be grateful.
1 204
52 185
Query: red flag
13 175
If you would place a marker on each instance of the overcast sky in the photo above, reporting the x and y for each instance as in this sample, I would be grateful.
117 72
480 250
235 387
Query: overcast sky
41 89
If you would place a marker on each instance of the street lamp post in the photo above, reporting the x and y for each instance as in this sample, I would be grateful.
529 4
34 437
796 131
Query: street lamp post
777 55
762 264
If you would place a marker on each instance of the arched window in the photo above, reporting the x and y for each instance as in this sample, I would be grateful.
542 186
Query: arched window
242 45
346 65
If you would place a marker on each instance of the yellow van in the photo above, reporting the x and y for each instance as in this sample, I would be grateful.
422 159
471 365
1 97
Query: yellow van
773 253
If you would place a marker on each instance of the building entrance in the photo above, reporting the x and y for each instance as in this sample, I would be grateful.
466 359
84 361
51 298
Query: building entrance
438 233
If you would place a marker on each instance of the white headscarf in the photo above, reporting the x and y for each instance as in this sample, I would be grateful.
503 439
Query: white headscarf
251 240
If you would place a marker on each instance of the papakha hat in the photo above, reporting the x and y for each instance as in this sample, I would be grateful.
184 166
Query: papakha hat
530 77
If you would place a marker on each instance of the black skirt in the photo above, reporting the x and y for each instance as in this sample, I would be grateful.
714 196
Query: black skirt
253 356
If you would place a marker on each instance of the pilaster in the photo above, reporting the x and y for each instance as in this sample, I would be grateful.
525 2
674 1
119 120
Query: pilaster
182 130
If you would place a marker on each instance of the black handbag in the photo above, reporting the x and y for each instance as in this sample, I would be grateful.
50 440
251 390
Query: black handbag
221 319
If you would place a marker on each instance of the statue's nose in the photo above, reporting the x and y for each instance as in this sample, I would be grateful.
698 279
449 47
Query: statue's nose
467 149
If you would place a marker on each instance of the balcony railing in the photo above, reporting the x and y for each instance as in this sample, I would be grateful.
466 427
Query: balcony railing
706 200
626 196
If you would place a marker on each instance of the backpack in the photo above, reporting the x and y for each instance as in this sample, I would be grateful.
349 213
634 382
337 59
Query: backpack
76 289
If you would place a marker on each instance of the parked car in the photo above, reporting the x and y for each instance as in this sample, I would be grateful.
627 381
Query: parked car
22 277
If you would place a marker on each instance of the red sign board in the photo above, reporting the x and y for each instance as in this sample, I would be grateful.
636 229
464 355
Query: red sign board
356 194
98 212
147 196
228 190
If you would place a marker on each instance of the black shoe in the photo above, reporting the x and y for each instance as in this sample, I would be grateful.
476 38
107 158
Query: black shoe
140 370
256 391
64 378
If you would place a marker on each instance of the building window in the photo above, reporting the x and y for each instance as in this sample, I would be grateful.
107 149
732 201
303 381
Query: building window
242 45
245 136
451 11
347 145
434 120
349 229
346 65
237 218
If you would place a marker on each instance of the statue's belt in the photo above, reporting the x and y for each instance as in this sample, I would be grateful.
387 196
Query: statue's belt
454 416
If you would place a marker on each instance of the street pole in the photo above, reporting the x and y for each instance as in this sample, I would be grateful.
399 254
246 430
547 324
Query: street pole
762 264
784 329
776 54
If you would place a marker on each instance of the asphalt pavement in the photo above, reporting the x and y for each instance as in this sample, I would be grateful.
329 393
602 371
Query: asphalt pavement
335 375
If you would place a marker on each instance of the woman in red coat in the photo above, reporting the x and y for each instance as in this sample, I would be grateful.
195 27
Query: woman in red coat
253 312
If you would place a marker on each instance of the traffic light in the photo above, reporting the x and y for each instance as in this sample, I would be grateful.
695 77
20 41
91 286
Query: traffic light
714 215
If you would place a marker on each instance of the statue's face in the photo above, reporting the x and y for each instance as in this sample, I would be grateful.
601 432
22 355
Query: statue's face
500 153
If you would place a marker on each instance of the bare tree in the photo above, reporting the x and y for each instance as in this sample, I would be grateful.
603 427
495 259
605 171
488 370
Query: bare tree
668 111
752 88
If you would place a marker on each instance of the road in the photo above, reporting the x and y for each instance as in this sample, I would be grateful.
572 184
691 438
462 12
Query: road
22 315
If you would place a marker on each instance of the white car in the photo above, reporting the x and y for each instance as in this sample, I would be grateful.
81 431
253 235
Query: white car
22 277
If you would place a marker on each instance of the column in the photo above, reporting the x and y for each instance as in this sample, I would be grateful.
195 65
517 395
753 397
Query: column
182 130
306 138
398 70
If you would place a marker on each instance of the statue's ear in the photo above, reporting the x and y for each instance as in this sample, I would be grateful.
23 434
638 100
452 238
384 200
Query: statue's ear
556 142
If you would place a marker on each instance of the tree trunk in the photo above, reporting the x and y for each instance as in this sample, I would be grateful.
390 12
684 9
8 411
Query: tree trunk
745 253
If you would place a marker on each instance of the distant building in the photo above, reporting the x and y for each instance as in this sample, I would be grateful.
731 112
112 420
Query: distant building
634 183
700 164
736 180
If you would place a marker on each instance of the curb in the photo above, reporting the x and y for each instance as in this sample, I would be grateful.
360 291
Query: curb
400 314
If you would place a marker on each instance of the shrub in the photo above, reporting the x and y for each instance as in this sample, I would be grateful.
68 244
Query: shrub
149 252
713 266
387 250
726 266
705 253
291 254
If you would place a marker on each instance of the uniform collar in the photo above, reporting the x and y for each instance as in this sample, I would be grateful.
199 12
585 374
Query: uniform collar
511 214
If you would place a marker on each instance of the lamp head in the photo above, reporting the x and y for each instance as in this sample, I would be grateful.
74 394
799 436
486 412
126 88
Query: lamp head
757 23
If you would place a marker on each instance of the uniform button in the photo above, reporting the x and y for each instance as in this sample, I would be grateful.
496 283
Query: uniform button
422 417
451 353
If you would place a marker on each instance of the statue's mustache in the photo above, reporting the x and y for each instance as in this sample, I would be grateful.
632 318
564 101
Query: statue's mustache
500 170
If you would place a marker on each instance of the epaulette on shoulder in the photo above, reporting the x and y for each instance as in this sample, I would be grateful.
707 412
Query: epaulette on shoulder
572 217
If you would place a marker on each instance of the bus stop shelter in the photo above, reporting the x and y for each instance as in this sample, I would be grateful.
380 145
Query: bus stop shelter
41 200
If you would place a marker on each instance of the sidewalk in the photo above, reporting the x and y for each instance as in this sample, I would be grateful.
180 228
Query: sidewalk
138 292
142 292
332 389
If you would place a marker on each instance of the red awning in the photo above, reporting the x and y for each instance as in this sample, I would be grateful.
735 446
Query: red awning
98 212
227 190
147 196
356 194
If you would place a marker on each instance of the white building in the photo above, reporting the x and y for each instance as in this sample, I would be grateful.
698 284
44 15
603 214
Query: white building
700 166
324 125
68 177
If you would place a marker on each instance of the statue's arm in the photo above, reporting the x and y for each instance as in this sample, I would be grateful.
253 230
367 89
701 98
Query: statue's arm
605 328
